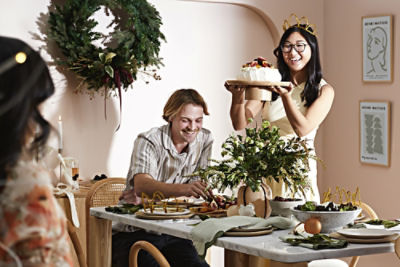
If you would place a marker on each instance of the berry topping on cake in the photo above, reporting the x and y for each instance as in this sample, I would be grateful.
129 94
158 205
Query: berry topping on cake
259 70
258 63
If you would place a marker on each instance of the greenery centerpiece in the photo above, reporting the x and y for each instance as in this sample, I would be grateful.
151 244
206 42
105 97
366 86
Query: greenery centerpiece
261 154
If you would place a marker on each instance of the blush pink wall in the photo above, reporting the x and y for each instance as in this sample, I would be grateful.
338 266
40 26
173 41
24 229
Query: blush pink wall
379 186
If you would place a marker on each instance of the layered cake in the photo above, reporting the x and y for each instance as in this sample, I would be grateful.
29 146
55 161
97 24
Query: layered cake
259 70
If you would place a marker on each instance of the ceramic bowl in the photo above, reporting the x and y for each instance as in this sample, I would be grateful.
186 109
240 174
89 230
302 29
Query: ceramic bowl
331 221
282 208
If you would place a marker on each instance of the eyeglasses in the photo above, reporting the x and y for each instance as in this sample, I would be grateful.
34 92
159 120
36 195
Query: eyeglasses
286 48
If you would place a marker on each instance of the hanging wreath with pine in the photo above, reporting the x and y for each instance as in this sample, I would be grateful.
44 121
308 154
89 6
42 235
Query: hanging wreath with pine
133 45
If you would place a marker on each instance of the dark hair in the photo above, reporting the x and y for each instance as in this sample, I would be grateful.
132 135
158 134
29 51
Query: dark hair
24 85
180 98
311 88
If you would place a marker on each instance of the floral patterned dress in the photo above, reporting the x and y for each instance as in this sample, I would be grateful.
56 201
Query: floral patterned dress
32 224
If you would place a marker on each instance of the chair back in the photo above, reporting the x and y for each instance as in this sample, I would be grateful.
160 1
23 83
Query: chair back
103 193
368 211
397 247
150 248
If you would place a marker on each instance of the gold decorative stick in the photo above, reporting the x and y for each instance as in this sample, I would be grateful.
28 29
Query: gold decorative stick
342 196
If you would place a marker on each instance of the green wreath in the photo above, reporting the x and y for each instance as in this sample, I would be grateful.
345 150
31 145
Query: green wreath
136 41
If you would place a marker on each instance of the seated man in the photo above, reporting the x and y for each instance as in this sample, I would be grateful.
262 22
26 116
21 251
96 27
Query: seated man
161 159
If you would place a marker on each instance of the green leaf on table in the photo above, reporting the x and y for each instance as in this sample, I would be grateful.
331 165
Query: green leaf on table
124 209
385 223
317 241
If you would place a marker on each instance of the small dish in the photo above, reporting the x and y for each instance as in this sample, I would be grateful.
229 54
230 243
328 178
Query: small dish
365 233
282 208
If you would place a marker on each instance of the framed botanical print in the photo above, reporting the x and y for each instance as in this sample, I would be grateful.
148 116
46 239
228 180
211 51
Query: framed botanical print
377 48
375 132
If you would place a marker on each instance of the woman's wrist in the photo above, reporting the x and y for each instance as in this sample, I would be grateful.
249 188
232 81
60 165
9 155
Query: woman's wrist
285 96
238 100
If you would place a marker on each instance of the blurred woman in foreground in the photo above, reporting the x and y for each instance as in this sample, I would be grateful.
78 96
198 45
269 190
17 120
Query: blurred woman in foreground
33 228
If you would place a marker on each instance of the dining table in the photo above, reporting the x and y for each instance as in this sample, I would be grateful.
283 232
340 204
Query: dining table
268 246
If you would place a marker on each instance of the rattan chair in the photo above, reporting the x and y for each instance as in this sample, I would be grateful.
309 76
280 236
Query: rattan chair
103 193
397 247
76 244
370 214
147 246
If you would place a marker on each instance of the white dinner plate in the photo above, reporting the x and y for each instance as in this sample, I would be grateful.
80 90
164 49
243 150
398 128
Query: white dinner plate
161 211
365 233
184 200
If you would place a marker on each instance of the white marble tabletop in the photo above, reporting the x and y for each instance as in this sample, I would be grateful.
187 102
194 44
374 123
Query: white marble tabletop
267 246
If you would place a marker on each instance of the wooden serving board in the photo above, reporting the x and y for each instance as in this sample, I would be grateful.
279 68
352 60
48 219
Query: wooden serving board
257 83
142 215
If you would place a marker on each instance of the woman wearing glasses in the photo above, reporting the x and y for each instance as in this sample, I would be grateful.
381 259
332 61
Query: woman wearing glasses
297 110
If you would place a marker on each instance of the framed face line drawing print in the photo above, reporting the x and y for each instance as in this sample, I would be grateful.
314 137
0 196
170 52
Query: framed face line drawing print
375 132
377 48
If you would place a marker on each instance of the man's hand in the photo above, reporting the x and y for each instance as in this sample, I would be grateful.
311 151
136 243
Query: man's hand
130 197
196 189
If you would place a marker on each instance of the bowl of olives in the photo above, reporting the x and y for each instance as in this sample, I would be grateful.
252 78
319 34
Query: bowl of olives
332 216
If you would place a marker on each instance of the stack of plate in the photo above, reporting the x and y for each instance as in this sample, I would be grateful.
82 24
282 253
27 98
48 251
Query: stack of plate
365 235
243 231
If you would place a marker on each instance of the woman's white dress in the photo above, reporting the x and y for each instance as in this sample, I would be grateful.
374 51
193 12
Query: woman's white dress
275 113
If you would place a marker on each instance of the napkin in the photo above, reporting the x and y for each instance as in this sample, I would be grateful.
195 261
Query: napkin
317 241
379 224
206 232
67 190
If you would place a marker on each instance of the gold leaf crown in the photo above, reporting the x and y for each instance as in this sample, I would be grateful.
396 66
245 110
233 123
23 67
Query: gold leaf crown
301 23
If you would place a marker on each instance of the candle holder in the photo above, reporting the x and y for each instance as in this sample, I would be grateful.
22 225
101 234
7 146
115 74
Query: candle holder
60 152
60 143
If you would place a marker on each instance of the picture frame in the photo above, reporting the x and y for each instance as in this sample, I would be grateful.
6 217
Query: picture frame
377 47
375 132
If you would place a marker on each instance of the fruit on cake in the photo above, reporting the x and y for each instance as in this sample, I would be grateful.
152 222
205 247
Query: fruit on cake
259 70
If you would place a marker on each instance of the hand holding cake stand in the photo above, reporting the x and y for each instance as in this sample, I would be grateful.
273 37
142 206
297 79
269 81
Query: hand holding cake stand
259 78
257 90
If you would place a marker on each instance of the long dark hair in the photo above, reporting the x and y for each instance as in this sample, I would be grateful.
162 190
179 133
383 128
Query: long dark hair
311 88
24 85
